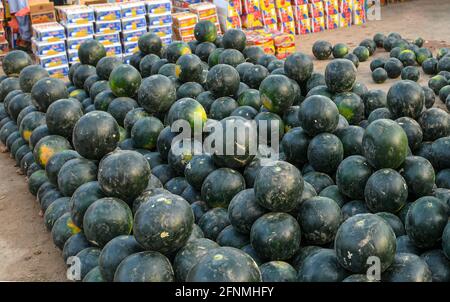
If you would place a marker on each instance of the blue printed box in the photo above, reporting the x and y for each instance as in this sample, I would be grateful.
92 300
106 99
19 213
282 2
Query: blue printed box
107 12
157 20
79 31
54 60
161 30
130 47
110 38
113 49
133 9
159 7
133 35
58 71
72 56
108 27
76 14
48 48
134 23
74 43
166 40
50 32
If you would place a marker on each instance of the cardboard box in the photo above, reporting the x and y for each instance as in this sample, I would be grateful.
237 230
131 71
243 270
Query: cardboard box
166 40
133 9
303 27
42 12
59 71
113 49
318 24
332 21
107 12
72 56
184 19
133 35
53 60
74 43
158 6
134 23
79 30
51 32
108 27
113 38
160 19
75 14
162 31
47 48
130 47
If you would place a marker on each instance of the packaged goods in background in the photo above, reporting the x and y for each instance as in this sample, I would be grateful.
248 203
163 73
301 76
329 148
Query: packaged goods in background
316 10
130 47
203 10
301 12
229 13
184 19
266 4
53 60
106 39
60 72
162 31
76 14
166 40
346 6
318 24
359 16
72 57
158 6
269 17
107 12
79 30
331 7
332 21
134 23
159 19
303 27
133 35
114 49
133 9
252 20
108 27
74 43
41 12
49 32
359 5
345 19
184 4
45 48
282 3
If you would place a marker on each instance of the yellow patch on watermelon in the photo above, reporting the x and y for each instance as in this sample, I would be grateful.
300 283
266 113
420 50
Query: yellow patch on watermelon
73 228
26 135
185 51
267 103
45 153
177 70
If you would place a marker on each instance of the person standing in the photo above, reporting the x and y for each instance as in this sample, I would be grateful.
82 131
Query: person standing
20 11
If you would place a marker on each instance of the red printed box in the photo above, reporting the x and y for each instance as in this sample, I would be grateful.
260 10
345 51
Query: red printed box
318 24
332 21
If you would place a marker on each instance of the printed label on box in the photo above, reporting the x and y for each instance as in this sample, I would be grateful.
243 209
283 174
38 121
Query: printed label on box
108 27
332 21
107 12
113 49
133 9
48 48
108 38
73 56
161 30
154 20
54 60
304 27
58 71
133 23
318 24
133 35
301 12
79 30
158 7
76 14
50 32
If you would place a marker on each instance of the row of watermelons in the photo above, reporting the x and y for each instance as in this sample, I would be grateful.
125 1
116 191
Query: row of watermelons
362 173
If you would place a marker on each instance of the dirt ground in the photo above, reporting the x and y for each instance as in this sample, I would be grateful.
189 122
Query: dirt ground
26 249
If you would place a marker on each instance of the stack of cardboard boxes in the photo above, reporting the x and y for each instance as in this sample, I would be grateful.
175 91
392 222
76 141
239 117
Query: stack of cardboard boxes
269 14
183 26
302 17
229 13
50 48
160 19
251 14
359 12
108 27
206 12
285 16
331 14
134 25
3 42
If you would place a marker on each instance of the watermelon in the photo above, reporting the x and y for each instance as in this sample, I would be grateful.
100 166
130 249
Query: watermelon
317 180
385 144
62 115
370 44
82 198
81 74
124 80
93 276
425 221
253 54
95 134
244 210
46 91
407 57
359 278
376 63
231 57
410 73
413 131
97 88
352 58
340 75
277 271
250 97
176 185
222 80
405 98
316 79
23 113
444 64
438 264
295 145
429 66
176 49
150 43
246 112
213 222
145 132
393 67
322 49
275 65
55 210
105 66
435 124
119 108
146 64
36 180
30 75
229 236
206 98
319 229
187 110
350 106
8 85
213 58
74 173
189 90
56 161
156 94
157 65
173 233
91 51
405 245
386 191
351 138
48 198
75 244
442 178
266 59
330 270
379 75
148 266
254 75
340 50
325 152
318 114
18 103
88 260
189 68
198 168
361 237
277 93
6 131
333 193
123 174
407 268
189 255
352 175
362 53
225 264
379 113
204 49
30 122
62 229
298 66
48 146
15 61
220 186
446 240
234 39
437 83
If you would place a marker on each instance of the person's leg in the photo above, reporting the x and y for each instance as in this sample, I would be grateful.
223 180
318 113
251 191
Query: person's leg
24 27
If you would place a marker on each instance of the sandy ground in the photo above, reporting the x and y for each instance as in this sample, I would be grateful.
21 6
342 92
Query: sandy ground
26 249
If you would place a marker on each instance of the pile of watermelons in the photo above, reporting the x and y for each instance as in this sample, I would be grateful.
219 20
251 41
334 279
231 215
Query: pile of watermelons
363 179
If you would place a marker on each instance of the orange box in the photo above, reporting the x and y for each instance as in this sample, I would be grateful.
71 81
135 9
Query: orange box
42 12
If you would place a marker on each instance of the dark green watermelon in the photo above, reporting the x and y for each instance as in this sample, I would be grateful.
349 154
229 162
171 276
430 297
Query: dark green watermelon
173 233
15 61
277 271
438 264
229 236
407 268
62 229
410 73
426 220
156 94
30 75
189 68
298 66
386 191
295 145
435 124
405 245
326 259
276 93
93 276
189 90
8 85
95 134
150 43
56 161
318 114
145 132
379 75
407 57
91 51
362 53
148 266
379 113
352 58
198 168
106 65
429 66
235 39
204 50
253 53
176 49
413 131
222 80
119 108
82 198
30 122
340 50
350 106
231 57
318 180
376 63
146 64
55 210
75 244
18 103
280 247
322 49
47 146
213 58
244 210
351 138
250 97
333 193
340 75
393 67
325 152
220 186
36 180
352 175
385 144
46 91
62 115
213 222
405 98
124 174
75 173
125 80
81 74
